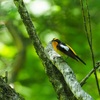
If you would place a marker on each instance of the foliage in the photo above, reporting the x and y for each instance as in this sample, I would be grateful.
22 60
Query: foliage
62 19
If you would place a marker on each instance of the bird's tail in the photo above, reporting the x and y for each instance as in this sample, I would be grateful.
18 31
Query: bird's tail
80 60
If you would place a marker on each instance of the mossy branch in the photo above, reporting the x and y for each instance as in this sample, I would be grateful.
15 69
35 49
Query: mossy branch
6 92
54 75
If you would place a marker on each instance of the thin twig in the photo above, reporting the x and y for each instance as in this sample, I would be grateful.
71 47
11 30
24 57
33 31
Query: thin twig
91 48
89 38
84 19
89 22
89 74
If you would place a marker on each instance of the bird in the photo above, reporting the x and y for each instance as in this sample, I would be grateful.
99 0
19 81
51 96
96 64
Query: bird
64 49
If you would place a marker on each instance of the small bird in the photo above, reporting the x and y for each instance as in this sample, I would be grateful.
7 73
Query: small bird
64 49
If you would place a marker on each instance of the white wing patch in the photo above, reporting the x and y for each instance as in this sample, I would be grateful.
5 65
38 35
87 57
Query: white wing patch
65 47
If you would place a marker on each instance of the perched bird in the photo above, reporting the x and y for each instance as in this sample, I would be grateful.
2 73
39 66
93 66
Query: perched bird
64 49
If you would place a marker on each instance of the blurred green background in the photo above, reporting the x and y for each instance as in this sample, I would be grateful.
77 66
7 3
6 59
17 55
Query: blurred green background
52 18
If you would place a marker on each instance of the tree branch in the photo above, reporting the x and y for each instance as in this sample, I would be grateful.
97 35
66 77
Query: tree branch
20 43
54 75
6 92
89 74
67 73
87 22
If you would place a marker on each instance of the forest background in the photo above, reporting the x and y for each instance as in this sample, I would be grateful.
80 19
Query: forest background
51 18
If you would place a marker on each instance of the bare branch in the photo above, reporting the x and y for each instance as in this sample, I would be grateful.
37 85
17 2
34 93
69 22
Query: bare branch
67 73
89 74
87 22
